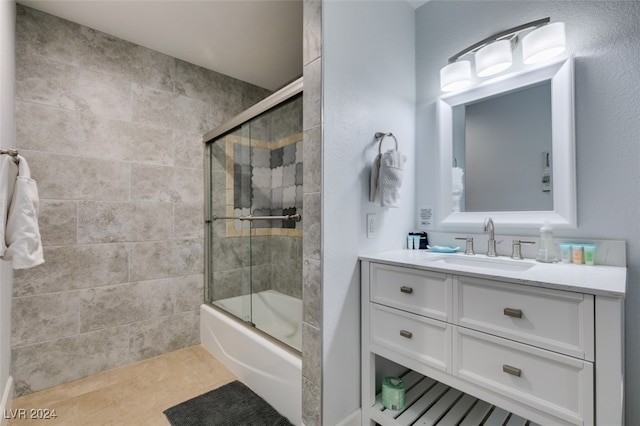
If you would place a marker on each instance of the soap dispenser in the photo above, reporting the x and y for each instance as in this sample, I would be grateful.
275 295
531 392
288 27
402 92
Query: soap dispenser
547 250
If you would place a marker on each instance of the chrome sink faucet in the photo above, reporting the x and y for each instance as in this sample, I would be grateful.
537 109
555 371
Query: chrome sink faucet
488 227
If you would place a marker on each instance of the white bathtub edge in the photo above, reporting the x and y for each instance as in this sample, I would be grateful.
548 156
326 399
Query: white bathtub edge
269 370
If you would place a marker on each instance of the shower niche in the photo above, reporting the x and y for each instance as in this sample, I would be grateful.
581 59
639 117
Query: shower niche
253 216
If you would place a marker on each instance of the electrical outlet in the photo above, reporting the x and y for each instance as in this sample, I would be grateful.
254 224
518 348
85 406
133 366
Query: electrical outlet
372 225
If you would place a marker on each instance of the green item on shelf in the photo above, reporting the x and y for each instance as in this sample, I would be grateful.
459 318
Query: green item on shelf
393 393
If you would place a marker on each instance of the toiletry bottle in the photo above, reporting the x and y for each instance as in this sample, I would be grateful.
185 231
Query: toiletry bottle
565 252
589 253
547 251
577 253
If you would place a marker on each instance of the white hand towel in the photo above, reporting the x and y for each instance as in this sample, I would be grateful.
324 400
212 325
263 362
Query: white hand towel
375 171
24 245
386 178
8 175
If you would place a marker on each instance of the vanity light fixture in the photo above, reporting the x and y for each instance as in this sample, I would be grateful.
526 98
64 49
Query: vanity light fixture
455 76
494 53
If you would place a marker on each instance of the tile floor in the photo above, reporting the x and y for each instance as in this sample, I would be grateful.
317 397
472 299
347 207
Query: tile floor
132 395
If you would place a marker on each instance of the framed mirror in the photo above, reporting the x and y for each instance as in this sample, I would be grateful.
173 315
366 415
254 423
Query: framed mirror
507 150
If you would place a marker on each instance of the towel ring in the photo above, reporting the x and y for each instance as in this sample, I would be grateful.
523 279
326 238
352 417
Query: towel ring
381 136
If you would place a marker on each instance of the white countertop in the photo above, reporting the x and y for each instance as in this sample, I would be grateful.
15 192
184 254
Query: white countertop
597 279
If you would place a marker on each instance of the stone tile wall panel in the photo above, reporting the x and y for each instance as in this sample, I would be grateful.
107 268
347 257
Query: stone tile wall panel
112 132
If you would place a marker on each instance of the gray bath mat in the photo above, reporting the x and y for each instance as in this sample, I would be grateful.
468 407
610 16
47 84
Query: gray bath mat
233 404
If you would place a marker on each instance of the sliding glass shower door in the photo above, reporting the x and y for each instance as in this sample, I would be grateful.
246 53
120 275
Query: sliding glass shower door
230 274
253 217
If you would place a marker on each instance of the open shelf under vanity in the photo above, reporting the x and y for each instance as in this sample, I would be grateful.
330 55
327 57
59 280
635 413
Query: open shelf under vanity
432 403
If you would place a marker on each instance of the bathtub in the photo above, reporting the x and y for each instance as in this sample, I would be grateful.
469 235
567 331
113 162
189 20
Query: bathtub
269 368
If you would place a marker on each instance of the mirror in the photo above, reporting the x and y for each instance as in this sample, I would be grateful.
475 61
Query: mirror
507 150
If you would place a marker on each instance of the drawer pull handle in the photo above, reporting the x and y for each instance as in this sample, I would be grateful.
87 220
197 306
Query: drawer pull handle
512 370
515 313
407 290
407 334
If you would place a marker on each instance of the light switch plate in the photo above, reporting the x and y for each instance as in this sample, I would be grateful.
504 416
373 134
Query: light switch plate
372 225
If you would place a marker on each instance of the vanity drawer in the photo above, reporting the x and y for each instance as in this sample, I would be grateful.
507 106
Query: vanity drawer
417 337
557 384
557 320
413 290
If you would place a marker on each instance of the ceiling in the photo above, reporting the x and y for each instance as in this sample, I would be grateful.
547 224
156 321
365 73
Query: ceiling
258 41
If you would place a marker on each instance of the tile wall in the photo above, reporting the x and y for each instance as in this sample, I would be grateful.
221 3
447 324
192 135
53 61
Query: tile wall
312 244
112 132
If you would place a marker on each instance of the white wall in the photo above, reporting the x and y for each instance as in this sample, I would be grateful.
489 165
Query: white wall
7 79
604 37
368 86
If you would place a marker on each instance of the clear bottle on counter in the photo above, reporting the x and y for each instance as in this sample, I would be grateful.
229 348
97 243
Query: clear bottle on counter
546 250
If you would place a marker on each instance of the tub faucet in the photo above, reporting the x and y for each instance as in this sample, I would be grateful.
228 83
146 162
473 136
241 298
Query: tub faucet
488 227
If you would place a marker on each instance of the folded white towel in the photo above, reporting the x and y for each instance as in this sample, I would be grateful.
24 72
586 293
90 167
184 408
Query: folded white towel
386 178
22 234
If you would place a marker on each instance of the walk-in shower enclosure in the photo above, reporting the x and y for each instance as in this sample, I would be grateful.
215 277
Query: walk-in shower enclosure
253 216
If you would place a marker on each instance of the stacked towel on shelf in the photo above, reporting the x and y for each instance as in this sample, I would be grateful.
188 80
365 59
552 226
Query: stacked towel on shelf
386 178
20 241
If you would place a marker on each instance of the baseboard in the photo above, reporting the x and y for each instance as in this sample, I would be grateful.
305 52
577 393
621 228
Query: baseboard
5 404
353 419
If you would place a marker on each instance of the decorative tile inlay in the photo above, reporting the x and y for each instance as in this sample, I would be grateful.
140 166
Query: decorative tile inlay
261 157
265 177
276 158
289 154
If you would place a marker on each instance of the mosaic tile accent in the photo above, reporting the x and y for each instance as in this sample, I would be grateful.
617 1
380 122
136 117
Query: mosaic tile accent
289 175
289 154
276 158
276 177
261 157
265 177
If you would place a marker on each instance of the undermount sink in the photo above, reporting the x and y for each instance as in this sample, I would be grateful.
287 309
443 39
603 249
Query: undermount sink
485 262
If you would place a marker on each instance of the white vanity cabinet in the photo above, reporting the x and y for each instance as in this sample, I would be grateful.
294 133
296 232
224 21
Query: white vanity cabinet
550 356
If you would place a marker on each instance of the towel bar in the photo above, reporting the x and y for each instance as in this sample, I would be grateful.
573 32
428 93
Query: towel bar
294 217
